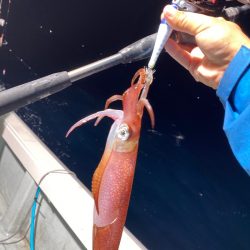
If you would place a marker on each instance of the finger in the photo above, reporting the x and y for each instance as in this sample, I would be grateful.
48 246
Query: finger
178 53
209 74
195 63
194 69
185 46
197 53
191 23
190 61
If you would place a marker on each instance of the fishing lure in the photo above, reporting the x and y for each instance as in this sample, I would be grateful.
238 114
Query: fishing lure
113 178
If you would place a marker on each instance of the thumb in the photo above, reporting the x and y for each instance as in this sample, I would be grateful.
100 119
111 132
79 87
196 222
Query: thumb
188 22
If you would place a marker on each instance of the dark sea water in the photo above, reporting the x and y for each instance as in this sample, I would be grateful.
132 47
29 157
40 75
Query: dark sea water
189 192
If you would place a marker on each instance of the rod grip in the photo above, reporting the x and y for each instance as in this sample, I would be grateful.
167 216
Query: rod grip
27 93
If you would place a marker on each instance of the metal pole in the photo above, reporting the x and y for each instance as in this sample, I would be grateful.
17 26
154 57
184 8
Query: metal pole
95 67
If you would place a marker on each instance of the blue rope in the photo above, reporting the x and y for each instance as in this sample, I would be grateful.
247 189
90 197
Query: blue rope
33 220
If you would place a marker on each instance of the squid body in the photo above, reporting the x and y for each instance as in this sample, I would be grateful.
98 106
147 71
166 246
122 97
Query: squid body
113 178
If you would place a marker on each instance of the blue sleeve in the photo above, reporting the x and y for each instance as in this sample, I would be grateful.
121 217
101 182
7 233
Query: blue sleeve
234 93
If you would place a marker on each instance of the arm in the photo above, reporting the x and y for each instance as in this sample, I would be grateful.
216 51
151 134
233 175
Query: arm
221 59
234 93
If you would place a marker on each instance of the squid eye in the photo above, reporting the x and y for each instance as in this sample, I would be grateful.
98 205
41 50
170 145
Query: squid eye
123 132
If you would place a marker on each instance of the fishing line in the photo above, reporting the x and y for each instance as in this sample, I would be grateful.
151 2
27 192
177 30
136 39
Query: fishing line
6 43
6 20
4 16
20 60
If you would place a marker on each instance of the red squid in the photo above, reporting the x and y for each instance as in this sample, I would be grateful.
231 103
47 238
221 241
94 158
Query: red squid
113 178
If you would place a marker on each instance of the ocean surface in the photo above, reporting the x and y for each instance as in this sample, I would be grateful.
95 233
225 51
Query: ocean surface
189 191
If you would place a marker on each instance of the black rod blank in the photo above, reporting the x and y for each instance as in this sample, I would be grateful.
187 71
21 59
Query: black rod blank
27 93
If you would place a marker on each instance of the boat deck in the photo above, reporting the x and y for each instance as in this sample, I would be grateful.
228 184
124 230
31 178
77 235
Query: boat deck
65 208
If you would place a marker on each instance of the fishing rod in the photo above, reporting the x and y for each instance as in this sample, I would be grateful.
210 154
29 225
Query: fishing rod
27 93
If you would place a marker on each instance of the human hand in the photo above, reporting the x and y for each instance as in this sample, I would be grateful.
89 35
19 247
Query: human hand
217 41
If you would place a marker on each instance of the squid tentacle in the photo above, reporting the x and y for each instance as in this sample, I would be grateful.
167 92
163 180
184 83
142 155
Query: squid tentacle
141 74
143 102
108 102
113 99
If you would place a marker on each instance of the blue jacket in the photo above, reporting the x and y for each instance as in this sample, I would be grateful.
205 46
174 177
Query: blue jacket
234 93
